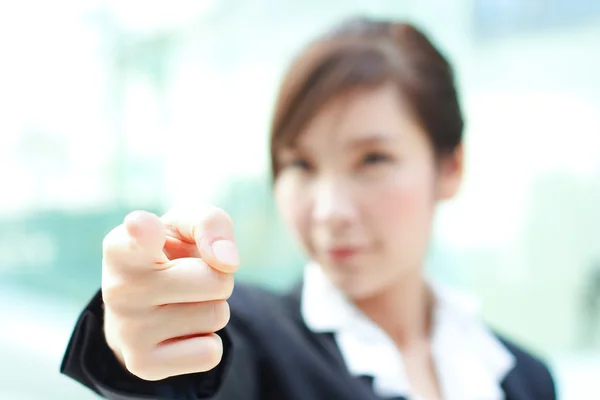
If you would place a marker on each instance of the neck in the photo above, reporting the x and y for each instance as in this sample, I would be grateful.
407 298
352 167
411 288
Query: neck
403 310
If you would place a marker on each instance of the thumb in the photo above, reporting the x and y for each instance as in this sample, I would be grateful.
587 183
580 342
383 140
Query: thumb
210 229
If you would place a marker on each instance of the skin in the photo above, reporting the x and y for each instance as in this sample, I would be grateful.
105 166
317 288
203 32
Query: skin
165 282
359 191
363 178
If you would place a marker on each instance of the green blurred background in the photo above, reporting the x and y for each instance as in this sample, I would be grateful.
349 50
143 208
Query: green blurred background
110 106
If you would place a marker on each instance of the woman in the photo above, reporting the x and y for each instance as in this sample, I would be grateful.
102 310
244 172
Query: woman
365 141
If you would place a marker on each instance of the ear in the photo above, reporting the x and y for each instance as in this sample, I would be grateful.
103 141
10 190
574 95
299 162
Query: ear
450 174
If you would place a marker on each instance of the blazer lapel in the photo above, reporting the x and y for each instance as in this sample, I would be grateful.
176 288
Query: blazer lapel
514 387
361 387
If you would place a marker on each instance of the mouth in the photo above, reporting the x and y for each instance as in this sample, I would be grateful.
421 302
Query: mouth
340 254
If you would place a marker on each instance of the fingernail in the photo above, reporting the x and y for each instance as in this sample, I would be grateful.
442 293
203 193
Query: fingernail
226 252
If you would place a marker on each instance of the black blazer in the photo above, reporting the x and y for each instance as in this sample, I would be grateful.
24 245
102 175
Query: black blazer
269 354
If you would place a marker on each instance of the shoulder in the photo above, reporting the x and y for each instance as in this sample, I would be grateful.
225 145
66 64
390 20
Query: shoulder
526 363
530 372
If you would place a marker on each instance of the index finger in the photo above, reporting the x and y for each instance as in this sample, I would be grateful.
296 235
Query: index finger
137 243
211 229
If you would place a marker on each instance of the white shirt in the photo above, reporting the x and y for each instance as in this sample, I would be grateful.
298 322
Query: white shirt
470 361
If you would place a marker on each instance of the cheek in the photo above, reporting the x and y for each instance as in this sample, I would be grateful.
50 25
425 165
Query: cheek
403 209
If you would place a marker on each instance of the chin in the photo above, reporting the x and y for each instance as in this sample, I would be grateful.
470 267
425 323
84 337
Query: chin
358 286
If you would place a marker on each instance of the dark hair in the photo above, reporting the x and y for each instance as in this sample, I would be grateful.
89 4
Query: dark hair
362 54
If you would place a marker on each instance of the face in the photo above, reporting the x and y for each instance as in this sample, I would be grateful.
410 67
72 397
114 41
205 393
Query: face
359 188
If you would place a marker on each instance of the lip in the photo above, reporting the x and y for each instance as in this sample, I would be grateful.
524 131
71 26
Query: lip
342 253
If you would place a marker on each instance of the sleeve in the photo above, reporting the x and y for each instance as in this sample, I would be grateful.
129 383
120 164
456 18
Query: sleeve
90 361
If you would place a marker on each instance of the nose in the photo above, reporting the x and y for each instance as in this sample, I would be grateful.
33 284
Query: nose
333 204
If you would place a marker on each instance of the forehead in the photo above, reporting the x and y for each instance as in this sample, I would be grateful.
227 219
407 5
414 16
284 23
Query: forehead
373 115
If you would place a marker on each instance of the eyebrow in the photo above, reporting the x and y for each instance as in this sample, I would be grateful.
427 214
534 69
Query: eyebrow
354 143
369 140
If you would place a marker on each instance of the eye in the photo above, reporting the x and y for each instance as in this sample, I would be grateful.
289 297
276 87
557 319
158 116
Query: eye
375 158
300 164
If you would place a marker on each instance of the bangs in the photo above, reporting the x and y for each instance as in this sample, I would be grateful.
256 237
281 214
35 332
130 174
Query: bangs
364 55
327 72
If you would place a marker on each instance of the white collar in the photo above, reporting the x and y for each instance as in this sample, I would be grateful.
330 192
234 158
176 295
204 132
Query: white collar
471 362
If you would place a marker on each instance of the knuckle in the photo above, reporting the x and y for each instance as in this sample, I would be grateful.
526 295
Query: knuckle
122 330
211 217
119 297
139 365
134 333
111 296
127 293
226 285
111 239
129 324
213 353
220 315
111 333
125 337
216 213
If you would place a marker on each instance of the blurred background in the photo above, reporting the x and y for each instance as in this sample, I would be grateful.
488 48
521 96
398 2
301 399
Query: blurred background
109 106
